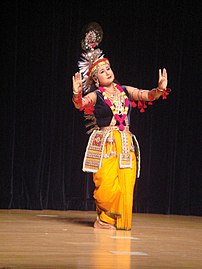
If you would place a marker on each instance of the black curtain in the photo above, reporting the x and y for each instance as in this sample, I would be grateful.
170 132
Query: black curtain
43 136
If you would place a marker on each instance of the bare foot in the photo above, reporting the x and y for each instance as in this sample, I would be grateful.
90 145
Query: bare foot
102 225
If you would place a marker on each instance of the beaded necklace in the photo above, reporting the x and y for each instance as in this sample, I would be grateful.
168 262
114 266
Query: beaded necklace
119 117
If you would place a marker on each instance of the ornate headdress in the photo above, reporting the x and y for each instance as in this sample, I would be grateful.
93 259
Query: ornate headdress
93 57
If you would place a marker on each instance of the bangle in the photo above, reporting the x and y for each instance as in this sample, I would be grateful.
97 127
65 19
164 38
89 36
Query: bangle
160 90
76 93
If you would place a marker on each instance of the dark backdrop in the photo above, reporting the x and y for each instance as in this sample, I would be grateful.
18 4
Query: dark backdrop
43 136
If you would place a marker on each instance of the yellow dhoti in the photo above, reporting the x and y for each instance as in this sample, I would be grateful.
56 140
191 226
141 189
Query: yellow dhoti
114 186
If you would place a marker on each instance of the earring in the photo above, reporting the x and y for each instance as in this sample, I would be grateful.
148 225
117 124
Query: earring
97 84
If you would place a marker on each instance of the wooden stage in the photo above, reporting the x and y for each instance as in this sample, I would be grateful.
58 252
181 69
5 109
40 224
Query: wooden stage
66 239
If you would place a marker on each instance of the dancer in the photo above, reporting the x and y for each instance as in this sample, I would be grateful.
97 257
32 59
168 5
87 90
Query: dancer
112 153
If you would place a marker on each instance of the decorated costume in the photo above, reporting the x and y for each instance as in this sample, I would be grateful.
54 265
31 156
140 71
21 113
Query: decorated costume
112 153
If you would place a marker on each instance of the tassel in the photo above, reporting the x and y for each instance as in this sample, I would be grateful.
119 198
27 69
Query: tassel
133 104
92 129
89 117
139 104
90 124
89 110
165 93
144 105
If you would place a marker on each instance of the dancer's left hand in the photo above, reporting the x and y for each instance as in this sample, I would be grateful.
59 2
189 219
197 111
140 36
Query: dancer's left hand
163 79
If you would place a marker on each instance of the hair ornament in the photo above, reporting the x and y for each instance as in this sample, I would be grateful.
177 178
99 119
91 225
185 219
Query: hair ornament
92 35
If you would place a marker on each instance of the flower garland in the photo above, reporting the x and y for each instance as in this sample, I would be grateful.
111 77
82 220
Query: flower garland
120 118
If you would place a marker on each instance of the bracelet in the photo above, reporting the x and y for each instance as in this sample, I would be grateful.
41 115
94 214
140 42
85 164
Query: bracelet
160 90
76 93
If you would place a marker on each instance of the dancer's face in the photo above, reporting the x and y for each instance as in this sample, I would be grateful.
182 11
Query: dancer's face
105 75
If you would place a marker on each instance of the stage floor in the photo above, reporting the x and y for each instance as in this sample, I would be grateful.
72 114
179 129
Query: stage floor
66 239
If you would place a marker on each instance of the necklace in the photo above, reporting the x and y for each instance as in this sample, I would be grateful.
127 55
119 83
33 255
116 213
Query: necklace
119 116
112 94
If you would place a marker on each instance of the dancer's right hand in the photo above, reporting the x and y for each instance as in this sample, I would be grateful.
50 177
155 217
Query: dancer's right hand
77 83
